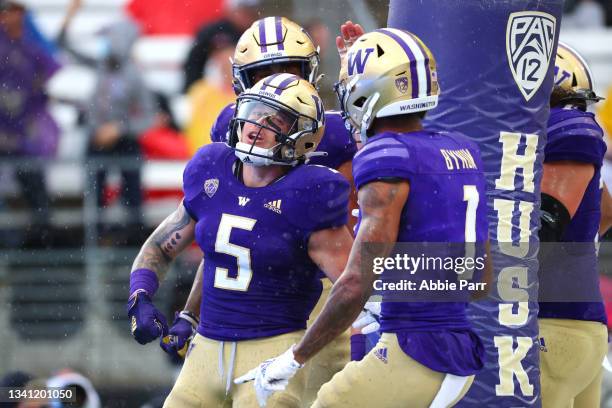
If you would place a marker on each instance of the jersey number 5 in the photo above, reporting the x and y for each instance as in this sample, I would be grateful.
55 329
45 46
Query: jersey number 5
243 255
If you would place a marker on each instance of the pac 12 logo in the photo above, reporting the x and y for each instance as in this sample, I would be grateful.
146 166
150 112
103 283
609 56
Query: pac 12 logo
530 37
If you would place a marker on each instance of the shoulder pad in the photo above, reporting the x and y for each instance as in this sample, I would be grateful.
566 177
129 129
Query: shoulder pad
382 157
205 164
574 135
322 198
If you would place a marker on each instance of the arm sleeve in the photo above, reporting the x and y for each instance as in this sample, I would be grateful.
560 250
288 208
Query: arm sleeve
574 135
382 159
329 208
193 176
581 148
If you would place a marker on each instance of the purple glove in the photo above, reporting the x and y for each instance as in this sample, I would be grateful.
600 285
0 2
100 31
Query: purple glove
147 322
180 335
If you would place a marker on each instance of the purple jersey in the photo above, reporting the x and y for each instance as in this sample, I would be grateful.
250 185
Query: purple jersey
258 279
440 167
483 50
337 141
575 135
24 71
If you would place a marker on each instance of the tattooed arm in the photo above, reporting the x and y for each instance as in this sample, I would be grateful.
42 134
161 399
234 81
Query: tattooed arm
168 240
381 205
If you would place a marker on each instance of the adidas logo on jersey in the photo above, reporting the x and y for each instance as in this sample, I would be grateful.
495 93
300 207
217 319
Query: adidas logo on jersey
242 201
274 206
381 354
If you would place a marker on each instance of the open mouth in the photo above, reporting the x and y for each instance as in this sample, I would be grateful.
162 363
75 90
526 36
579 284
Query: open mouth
254 138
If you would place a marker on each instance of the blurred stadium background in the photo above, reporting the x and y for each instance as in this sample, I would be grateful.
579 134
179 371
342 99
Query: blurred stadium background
63 290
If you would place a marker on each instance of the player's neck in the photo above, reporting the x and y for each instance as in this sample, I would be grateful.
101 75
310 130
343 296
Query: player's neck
262 176
397 124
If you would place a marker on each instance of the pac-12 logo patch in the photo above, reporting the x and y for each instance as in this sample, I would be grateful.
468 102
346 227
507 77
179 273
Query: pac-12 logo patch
402 84
211 186
530 37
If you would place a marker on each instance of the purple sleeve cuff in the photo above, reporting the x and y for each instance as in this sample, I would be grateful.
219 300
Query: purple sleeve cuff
144 279
358 347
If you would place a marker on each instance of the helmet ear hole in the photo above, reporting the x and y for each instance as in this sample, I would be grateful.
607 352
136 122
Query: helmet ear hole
379 50
359 102
309 145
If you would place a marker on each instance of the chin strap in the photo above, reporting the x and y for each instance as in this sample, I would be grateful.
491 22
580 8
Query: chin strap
316 81
258 156
314 154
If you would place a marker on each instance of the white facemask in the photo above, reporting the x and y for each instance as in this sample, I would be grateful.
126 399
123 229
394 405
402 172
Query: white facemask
254 155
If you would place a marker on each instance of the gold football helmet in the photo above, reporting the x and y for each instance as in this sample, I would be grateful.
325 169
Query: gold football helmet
388 72
273 40
286 105
573 74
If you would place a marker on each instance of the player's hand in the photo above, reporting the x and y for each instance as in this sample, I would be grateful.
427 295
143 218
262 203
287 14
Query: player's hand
350 32
272 375
368 320
147 323
180 335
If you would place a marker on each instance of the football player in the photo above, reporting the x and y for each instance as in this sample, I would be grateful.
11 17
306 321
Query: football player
573 335
428 353
276 45
266 224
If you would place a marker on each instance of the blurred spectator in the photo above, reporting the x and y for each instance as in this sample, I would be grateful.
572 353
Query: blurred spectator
239 15
585 14
319 32
209 95
604 114
164 139
85 393
173 17
26 127
322 38
32 33
122 108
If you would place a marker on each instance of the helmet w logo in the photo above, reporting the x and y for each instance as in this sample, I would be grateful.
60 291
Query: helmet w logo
357 60
530 39
319 105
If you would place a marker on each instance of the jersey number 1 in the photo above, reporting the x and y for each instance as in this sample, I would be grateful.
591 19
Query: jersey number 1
243 255
470 194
